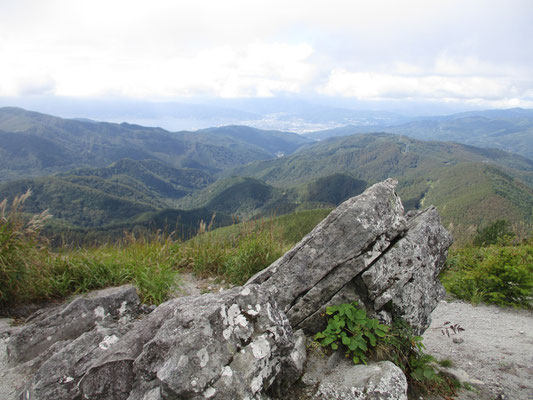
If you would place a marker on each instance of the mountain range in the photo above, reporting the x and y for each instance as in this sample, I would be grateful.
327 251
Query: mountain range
99 179
510 130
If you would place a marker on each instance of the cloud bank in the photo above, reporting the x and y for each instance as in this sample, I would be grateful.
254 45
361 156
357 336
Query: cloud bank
475 52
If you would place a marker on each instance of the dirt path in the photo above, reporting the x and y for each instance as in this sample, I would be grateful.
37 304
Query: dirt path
496 348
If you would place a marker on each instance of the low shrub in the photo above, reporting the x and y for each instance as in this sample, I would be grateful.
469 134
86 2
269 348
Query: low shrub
30 272
497 274
23 253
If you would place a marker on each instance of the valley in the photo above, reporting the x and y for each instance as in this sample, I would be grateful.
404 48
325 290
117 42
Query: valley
99 179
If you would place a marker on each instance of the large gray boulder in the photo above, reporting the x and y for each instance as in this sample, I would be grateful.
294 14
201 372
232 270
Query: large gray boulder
70 321
368 251
229 345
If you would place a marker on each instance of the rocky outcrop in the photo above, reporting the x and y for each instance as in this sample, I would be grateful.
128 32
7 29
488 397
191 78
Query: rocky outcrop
230 345
368 251
246 342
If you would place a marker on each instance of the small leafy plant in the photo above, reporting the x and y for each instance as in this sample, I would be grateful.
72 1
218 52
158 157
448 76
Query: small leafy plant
351 327
363 338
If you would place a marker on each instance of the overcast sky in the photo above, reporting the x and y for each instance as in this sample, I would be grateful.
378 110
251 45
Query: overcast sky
467 51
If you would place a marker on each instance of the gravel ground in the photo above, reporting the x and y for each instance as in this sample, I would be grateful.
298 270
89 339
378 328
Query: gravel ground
496 349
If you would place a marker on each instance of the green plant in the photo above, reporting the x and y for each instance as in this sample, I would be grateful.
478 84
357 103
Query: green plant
22 250
446 363
497 274
363 338
492 233
350 327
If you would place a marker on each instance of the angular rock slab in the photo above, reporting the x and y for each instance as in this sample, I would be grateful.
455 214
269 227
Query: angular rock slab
379 381
70 321
337 377
229 345
406 276
334 252
57 346
368 251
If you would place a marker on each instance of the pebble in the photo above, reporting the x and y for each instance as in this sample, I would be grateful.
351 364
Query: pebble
458 340
521 332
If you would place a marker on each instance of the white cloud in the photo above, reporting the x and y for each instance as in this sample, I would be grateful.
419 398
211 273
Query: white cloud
466 79
466 51
257 69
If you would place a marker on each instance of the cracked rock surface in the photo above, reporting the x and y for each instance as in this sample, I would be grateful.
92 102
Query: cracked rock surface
368 251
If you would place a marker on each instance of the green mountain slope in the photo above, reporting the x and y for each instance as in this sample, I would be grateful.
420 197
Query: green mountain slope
33 144
469 186
249 197
509 130
149 176
374 157
92 197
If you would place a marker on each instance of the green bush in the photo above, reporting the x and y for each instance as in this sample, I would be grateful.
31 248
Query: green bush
497 274
349 327
492 233
30 272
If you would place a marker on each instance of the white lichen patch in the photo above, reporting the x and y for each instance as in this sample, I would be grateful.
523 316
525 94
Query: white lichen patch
241 320
99 312
253 312
107 342
203 356
209 393
227 371
123 308
260 348
245 291
224 315
233 312
257 384
226 333
66 379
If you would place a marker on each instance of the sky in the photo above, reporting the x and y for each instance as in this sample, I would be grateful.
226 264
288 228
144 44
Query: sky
468 52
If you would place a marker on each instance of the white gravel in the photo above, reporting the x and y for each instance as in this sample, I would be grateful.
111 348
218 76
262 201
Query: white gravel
497 348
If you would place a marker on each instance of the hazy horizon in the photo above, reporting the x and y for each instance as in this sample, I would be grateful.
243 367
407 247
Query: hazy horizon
107 61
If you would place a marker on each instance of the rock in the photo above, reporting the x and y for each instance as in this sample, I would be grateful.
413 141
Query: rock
461 376
227 345
382 380
368 251
342 380
69 322
458 340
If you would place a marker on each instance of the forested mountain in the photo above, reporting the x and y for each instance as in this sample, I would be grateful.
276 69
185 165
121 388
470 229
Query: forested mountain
510 130
374 157
469 185
92 203
245 172
34 144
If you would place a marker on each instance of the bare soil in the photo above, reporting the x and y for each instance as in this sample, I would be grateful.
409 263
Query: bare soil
495 349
